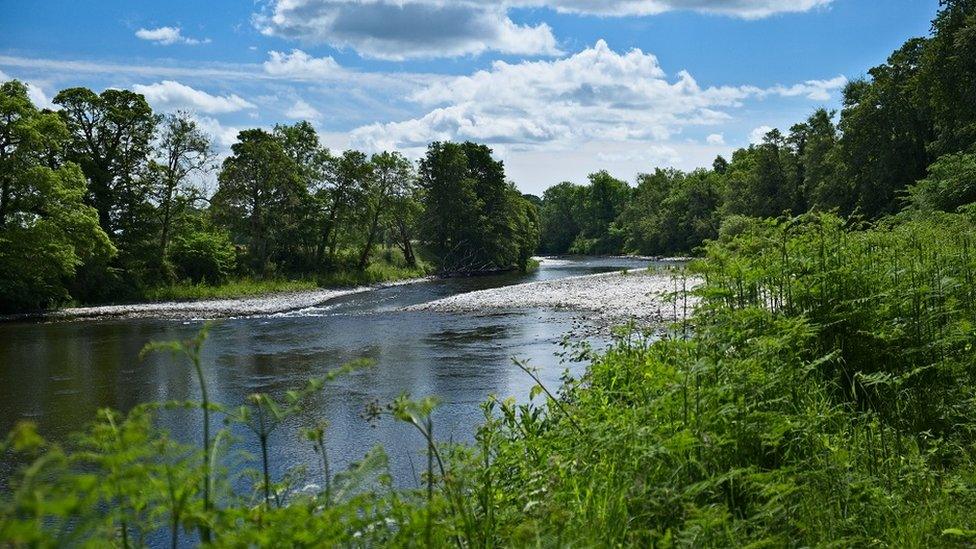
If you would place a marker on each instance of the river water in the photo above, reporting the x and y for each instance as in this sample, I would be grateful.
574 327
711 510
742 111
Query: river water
59 374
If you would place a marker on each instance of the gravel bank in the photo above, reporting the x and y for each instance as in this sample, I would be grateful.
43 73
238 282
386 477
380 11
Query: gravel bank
207 309
608 297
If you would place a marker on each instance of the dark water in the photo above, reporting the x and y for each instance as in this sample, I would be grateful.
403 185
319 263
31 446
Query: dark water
58 375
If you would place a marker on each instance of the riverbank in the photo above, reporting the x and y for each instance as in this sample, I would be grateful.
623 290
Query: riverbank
208 309
642 295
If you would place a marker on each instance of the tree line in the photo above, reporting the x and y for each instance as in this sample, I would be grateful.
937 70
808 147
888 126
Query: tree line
904 137
102 199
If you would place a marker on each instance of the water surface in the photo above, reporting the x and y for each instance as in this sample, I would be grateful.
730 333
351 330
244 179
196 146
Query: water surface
59 374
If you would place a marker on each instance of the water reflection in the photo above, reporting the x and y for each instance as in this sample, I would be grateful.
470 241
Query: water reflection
58 375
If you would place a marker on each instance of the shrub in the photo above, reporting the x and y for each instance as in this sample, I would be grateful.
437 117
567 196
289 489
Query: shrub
951 183
202 256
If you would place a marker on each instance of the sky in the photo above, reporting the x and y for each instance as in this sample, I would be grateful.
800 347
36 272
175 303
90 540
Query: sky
558 88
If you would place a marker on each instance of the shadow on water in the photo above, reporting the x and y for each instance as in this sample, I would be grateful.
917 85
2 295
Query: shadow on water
60 374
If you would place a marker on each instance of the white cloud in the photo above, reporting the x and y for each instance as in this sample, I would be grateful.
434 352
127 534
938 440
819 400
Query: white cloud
596 94
715 139
746 9
816 90
300 65
172 94
646 155
34 91
40 99
404 29
301 110
757 135
167 36
224 136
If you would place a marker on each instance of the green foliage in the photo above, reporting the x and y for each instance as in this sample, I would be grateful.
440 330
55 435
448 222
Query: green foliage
203 257
560 218
42 213
951 183
474 219
258 184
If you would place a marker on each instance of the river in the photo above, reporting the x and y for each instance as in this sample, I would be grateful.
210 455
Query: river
59 374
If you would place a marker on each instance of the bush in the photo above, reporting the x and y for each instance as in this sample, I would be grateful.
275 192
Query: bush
951 183
202 256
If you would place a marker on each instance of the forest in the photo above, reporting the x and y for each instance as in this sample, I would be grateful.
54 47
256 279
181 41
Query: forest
109 201
820 394
902 139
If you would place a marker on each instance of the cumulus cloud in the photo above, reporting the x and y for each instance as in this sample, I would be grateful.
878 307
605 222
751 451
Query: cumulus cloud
301 110
757 135
715 139
167 36
224 136
40 99
596 94
172 94
35 92
300 65
404 29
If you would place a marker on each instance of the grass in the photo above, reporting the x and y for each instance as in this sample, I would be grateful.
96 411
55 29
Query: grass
245 287
824 397
375 273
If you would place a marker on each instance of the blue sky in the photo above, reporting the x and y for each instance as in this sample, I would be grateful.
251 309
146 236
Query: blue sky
559 88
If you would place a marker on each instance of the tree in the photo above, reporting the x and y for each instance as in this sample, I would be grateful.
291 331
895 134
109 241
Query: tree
823 181
46 230
641 221
886 127
182 150
298 250
349 176
258 184
111 139
560 217
763 180
604 201
672 212
527 229
948 77
406 211
473 217
392 173
451 209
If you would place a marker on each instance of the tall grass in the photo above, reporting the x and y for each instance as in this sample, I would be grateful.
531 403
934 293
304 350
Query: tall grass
375 273
821 394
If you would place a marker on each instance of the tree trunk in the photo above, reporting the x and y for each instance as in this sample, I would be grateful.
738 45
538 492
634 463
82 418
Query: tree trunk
167 219
408 253
4 200
364 256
